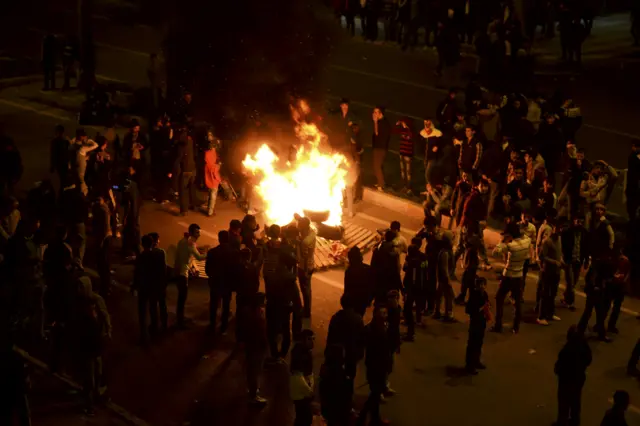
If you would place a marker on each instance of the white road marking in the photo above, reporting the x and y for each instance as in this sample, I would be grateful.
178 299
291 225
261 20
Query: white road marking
370 218
34 110
202 231
390 79
563 287
131 418
326 280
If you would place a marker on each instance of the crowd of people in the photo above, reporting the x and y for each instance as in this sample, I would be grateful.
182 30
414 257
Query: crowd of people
497 157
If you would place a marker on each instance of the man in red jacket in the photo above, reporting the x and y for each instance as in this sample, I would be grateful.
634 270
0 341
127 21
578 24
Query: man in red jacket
212 177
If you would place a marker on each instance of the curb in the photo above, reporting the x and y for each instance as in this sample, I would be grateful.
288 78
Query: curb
114 408
19 81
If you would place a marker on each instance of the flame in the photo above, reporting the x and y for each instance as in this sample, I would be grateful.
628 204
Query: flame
314 182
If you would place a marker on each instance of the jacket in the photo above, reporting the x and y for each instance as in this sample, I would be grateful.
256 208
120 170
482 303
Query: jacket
211 169
222 265
150 273
386 268
347 329
433 144
415 274
381 140
568 244
378 357
358 284
185 161
474 210
573 360
470 155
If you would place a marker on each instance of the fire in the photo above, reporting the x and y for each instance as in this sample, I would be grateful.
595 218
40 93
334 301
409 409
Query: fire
314 182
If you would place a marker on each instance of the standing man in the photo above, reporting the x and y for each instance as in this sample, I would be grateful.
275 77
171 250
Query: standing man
101 230
474 220
470 153
185 163
357 150
601 240
358 282
79 148
347 119
575 249
516 247
75 211
306 262
571 367
380 141
186 253
59 156
632 188
222 266
49 53
552 264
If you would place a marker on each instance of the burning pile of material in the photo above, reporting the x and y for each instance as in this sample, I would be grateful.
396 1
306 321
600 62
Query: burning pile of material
313 182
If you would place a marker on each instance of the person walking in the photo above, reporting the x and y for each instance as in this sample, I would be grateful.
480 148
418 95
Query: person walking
479 311
516 248
79 149
335 388
415 288
306 262
301 381
380 142
252 332
615 415
346 329
573 360
186 253
358 281
575 249
222 267
149 280
378 361
49 59
185 166
551 264
212 178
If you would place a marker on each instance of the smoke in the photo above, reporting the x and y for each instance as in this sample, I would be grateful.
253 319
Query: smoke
240 56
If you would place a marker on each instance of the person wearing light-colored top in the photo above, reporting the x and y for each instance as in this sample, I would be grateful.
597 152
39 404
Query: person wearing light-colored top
186 254
516 247
80 147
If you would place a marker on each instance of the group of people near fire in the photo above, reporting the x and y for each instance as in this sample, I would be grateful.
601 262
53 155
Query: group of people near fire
487 158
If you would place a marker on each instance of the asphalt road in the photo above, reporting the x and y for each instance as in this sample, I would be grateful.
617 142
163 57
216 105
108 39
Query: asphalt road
172 382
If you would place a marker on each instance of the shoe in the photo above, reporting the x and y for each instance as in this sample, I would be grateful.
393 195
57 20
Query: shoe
481 366
556 318
613 330
515 331
258 400
389 392
542 321
495 329
437 315
379 188
471 371
605 339
211 214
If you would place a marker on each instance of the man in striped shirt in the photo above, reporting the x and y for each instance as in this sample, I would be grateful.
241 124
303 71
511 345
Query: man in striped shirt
516 247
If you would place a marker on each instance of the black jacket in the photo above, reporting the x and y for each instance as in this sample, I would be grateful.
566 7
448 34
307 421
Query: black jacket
415 274
381 140
185 157
568 241
359 284
346 328
150 273
75 208
379 356
386 269
573 360
222 266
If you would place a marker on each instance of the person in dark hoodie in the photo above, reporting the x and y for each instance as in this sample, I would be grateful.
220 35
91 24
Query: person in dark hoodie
479 312
378 361
415 287
220 269
358 281
380 142
185 167
573 360
336 389
150 280
385 265
346 328
615 415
